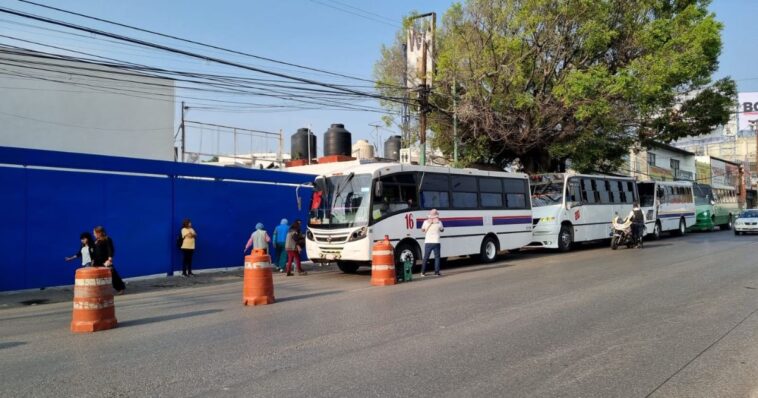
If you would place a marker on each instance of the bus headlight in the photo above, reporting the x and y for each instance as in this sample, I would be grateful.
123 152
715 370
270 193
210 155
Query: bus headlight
546 220
358 234
309 235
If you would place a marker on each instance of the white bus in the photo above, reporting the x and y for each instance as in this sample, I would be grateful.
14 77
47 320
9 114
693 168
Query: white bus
571 208
668 206
483 212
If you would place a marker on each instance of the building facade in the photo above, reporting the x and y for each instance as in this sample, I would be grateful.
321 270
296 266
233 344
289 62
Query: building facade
662 163
72 106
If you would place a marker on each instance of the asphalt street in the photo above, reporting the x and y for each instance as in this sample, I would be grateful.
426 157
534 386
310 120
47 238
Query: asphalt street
676 319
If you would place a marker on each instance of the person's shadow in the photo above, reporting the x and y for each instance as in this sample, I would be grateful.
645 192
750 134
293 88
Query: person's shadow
143 321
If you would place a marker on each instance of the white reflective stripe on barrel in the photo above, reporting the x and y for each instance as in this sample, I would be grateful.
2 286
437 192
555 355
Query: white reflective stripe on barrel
382 253
92 282
382 267
258 265
83 305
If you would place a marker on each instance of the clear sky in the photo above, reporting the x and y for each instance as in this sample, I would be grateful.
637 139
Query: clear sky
308 32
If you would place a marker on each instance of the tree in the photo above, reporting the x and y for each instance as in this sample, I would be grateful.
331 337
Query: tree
586 80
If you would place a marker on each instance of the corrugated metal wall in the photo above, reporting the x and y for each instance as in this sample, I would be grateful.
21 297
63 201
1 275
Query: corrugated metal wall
48 198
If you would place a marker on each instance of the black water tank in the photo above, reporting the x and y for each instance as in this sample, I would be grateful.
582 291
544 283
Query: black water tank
392 147
337 141
299 148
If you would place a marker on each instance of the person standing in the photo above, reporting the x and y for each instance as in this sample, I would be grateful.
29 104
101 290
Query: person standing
293 247
85 251
102 256
432 227
280 239
188 246
259 239
637 216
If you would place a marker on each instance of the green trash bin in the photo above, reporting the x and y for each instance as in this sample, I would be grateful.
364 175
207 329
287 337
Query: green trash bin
407 271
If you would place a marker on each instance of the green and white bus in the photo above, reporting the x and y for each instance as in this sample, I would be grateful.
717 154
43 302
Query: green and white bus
716 206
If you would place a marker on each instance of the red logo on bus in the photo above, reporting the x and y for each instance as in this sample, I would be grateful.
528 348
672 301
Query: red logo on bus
576 215
409 221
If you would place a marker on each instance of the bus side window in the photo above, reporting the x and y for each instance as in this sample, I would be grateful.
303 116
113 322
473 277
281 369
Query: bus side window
516 190
603 188
464 192
398 195
630 196
491 192
574 191
435 191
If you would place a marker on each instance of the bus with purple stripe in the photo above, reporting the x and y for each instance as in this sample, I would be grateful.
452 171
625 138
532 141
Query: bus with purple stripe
358 202
669 206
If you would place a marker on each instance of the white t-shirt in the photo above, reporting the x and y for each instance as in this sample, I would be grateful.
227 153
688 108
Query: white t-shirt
432 230
86 258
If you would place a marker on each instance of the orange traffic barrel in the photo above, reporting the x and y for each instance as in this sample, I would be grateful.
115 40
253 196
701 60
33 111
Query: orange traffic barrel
382 263
258 284
93 300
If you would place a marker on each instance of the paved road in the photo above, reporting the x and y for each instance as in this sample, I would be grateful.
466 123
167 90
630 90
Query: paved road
677 319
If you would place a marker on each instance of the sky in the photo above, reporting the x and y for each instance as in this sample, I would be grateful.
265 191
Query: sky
324 34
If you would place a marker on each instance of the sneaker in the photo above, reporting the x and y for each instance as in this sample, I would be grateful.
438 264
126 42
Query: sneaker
423 274
120 292
184 275
437 274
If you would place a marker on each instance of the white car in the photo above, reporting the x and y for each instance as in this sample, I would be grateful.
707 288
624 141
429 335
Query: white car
746 222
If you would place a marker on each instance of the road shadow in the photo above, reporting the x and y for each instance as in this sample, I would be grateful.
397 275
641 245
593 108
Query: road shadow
651 244
307 296
164 318
11 344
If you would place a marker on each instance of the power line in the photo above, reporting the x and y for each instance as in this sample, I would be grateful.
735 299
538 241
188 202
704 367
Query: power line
359 13
196 42
188 53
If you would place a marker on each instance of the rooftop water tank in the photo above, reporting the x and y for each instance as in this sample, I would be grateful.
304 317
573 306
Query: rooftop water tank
392 147
300 144
362 149
337 141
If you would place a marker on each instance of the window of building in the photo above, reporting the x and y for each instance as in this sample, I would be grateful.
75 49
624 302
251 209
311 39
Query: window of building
674 166
650 159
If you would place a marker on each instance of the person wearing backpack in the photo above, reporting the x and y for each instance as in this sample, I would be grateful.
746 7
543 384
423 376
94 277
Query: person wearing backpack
188 236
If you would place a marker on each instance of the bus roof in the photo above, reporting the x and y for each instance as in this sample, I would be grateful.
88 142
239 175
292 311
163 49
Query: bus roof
672 183
380 168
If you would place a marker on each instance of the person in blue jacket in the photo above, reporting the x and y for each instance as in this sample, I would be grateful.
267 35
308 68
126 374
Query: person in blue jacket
280 238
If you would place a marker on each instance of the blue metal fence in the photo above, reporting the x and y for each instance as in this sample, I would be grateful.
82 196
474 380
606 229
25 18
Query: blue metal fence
48 198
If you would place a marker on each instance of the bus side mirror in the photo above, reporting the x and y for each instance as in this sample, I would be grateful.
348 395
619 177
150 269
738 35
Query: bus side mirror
378 188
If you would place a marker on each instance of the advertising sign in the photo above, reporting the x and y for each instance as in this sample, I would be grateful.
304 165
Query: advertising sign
718 172
418 38
748 110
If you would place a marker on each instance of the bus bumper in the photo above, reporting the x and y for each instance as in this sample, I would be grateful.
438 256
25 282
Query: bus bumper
358 250
545 235
702 224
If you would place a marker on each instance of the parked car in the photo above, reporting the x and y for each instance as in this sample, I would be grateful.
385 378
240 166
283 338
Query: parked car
746 222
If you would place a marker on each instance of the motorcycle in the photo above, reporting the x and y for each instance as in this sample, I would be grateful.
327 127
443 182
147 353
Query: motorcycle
622 235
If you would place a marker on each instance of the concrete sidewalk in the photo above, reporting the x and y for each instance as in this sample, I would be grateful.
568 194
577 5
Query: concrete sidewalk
217 276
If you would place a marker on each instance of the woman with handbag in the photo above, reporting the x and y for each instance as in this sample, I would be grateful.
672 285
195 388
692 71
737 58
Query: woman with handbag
102 256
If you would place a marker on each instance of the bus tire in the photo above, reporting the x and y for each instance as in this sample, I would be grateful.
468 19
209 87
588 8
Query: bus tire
657 230
682 228
565 238
406 249
488 250
348 267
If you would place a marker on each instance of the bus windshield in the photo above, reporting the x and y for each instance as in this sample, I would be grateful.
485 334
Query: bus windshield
703 194
547 190
341 201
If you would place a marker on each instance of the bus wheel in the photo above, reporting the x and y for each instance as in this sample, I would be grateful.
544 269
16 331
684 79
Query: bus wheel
657 230
565 238
489 249
348 267
682 228
403 251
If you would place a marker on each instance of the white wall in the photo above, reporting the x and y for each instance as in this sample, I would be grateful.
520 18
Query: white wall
59 109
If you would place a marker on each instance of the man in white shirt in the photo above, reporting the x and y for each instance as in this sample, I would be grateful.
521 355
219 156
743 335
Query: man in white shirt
432 227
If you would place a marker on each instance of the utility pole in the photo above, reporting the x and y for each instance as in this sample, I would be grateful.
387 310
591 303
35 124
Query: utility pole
281 144
455 127
423 89
309 143
377 140
183 132
406 117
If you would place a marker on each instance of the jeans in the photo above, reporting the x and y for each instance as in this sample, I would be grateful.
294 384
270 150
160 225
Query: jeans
293 255
637 229
279 258
428 249
187 261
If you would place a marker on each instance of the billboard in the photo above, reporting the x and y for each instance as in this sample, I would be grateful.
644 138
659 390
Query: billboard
418 38
748 110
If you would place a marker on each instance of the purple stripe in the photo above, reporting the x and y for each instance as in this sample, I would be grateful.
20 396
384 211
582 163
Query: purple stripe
511 220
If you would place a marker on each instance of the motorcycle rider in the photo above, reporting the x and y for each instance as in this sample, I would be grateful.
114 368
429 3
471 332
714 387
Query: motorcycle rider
638 223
